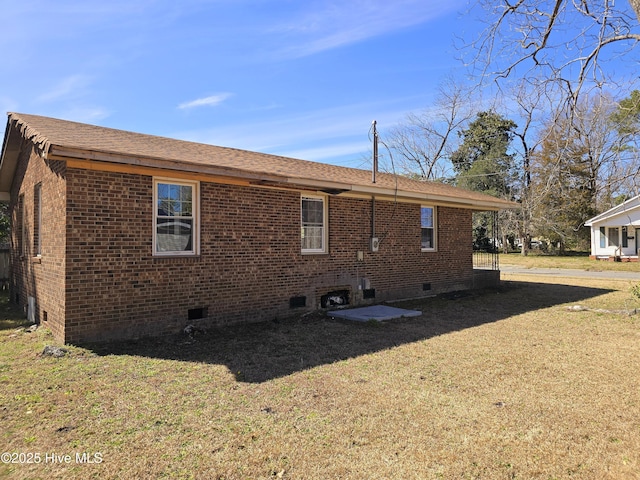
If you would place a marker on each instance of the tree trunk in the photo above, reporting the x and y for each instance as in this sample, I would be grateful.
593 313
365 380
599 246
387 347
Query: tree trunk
526 239
635 4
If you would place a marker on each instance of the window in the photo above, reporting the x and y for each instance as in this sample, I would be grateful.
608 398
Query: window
37 219
427 225
603 238
613 237
625 238
175 219
20 217
314 231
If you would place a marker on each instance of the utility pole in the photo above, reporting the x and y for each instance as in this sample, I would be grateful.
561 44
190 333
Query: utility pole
375 153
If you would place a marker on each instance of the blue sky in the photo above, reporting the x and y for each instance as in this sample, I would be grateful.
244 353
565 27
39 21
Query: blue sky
297 78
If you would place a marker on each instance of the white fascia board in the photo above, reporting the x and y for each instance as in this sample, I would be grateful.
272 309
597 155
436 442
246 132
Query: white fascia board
623 208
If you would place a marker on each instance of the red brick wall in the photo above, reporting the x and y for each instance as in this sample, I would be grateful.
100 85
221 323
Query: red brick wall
43 277
250 263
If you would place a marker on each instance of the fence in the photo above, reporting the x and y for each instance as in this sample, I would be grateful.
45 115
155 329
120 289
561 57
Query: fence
486 260
486 241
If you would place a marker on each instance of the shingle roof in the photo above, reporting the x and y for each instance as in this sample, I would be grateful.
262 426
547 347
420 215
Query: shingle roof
54 135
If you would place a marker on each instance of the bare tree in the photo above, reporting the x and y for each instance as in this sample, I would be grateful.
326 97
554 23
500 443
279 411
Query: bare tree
424 142
626 122
529 103
577 170
563 45
635 4
560 50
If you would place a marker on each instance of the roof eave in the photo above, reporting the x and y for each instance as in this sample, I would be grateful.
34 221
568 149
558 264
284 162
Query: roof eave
60 152
57 152
9 160
617 210
460 202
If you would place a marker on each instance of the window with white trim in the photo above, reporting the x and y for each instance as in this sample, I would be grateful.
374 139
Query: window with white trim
314 224
614 241
428 228
176 229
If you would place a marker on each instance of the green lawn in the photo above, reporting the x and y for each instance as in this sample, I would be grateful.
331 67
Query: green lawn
579 261
503 384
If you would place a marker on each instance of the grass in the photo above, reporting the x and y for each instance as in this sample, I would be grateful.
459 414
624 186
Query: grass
577 261
504 384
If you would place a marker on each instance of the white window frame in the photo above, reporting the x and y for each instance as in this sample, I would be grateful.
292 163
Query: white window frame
613 237
434 228
325 224
195 217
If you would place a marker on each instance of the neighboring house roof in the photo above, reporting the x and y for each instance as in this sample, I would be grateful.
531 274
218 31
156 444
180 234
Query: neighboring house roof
622 209
61 139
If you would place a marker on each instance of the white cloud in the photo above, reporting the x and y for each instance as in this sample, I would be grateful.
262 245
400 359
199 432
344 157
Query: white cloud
72 86
84 114
331 150
342 23
70 98
211 101
273 134
313 135
7 104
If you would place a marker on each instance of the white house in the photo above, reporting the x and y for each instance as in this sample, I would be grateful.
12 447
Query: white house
615 234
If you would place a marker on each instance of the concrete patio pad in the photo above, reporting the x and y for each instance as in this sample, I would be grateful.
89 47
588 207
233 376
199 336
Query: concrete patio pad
374 312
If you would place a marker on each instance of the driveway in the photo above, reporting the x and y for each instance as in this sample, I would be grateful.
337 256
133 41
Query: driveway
506 270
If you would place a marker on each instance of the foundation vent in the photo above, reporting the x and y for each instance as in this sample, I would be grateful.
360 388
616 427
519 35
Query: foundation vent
197 313
298 302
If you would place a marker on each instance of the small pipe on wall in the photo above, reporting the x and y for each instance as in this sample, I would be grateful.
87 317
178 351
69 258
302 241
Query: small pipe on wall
373 216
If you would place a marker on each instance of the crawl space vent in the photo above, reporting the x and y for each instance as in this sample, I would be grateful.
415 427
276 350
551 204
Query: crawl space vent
197 313
297 302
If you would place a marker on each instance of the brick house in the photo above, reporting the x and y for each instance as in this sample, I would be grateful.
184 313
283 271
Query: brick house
119 234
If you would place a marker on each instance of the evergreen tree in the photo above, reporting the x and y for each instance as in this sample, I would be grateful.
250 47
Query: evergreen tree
482 161
626 118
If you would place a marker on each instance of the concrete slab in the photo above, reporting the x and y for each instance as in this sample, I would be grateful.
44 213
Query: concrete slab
374 312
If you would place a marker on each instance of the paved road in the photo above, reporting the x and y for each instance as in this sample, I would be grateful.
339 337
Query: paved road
566 272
